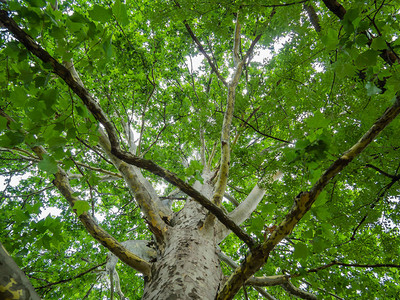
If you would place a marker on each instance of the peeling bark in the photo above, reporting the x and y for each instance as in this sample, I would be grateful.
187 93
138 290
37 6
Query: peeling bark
189 267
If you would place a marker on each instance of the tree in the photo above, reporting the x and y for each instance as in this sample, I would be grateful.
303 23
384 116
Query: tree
236 179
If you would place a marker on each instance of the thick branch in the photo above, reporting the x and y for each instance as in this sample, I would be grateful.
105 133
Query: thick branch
245 209
303 203
144 193
155 212
282 280
226 126
13 282
336 8
241 213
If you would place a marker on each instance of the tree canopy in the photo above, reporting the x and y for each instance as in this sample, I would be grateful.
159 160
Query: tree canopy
295 98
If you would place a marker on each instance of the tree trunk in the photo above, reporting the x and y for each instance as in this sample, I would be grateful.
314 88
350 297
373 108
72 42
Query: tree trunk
189 266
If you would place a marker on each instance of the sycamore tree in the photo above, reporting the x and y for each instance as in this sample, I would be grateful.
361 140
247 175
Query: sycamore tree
199 149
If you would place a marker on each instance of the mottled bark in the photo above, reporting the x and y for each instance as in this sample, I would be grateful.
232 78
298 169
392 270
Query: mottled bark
189 267
13 282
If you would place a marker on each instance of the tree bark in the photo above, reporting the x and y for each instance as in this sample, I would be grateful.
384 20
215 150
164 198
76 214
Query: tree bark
13 282
189 267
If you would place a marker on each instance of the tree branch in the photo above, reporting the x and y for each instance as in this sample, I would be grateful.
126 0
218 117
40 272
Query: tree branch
355 265
202 50
100 116
13 281
295 291
388 55
257 282
236 42
312 15
62 183
72 278
302 204
380 171
335 7
156 214
245 209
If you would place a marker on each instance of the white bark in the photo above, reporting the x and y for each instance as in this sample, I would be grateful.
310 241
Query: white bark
244 210
141 248
189 267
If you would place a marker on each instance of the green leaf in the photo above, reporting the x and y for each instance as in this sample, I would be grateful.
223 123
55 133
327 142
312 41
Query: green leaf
300 250
3 123
37 3
368 58
372 89
99 13
81 206
20 215
319 244
318 120
11 138
48 164
344 69
18 96
107 47
50 97
119 10
330 39
257 224
379 43
322 198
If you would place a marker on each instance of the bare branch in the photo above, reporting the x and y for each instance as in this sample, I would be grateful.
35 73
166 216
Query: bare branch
245 209
355 265
262 133
231 199
72 278
380 171
295 291
157 215
203 51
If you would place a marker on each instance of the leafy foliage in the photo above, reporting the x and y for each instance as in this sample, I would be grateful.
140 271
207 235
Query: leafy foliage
296 111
